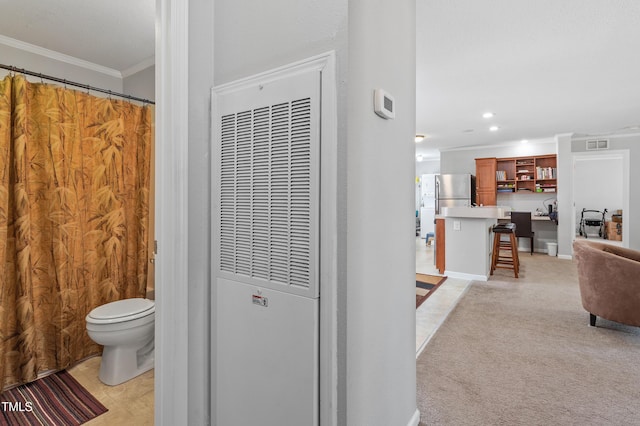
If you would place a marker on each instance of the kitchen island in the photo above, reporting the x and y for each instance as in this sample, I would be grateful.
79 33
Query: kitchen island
469 240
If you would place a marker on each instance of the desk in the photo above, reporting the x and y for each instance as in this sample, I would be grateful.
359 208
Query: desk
545 231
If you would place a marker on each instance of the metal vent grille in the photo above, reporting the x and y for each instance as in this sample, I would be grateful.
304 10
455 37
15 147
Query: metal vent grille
595 145
266 194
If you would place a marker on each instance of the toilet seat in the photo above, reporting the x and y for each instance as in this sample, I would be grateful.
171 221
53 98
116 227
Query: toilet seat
121 311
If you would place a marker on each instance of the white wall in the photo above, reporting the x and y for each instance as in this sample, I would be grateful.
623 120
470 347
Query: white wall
254 36
631 143
201 73
141 84
376 342
529 202
600 186
381 228
426 167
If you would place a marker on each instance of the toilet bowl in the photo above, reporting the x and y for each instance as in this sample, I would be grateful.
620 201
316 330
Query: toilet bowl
126 330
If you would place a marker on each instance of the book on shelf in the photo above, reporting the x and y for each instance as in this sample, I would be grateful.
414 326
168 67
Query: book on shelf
546 172
501 175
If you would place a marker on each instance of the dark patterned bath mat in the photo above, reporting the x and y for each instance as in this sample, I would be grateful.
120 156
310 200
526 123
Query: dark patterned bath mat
57 399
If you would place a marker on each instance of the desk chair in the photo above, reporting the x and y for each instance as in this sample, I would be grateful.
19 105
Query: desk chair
523 225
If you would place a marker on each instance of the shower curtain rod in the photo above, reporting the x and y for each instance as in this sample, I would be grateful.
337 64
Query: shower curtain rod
73 83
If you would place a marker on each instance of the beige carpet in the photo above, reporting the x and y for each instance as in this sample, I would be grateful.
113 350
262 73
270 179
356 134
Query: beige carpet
520 352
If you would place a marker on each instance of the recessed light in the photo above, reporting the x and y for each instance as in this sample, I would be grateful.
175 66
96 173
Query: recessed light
524 141
488 115
419 138
494 128
419 157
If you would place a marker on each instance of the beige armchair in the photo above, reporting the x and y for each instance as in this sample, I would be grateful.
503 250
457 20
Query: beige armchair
609 278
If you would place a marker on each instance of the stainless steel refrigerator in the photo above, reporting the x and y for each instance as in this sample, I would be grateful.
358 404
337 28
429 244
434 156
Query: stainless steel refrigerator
455 190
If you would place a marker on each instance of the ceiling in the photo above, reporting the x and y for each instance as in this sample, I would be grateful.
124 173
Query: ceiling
544 67
116 34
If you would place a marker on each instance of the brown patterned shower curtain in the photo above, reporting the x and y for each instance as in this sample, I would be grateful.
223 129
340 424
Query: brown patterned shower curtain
74 218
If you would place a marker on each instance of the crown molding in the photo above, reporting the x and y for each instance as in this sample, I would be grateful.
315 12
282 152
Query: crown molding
51 54
582 138
143 65
541 141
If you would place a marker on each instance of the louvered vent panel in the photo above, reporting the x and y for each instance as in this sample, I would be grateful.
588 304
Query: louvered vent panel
597 144
260 195
266 194
300 201
227 194
243 193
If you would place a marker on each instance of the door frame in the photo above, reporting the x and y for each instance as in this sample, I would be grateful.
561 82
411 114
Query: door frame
171 379
621 154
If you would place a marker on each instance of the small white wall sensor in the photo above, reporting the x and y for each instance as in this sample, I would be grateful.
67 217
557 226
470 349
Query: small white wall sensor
383 104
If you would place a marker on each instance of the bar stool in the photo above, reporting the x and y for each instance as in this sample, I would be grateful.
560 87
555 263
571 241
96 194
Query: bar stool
505 252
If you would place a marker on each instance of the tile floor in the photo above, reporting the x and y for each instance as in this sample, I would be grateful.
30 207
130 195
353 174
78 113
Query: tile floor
130 403
434 310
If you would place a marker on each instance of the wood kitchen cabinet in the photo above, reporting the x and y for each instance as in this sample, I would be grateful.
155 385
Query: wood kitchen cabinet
486 181
535 174
527 174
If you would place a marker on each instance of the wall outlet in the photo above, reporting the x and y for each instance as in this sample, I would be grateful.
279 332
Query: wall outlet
456 225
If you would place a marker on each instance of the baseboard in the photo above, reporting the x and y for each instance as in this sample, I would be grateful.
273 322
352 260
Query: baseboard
465 276
415 419
565 256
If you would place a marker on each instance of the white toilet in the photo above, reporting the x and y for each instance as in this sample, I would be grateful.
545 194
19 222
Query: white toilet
126 330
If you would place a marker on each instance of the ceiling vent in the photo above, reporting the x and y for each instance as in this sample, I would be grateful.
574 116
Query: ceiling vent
597 144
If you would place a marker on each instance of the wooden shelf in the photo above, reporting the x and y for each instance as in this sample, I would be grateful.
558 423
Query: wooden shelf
538 173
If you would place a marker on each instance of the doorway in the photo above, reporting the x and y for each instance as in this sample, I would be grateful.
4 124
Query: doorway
600 182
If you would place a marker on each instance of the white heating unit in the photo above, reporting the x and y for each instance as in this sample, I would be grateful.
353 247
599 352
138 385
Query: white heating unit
266 148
